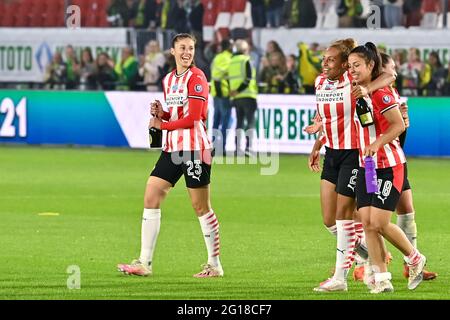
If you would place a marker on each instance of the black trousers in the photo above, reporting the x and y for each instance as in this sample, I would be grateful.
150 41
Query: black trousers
245 118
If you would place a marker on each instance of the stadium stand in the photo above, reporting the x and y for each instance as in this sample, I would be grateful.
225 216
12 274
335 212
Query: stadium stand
51 13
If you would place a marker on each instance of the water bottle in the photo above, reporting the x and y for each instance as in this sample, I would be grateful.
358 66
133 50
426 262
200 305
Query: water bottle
363 112
371 175
154 135
155 138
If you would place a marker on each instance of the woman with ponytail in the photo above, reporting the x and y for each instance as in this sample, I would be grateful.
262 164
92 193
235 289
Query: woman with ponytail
380 141
336 103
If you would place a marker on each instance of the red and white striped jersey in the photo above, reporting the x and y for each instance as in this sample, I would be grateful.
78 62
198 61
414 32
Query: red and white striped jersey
390 154
178 91
336 106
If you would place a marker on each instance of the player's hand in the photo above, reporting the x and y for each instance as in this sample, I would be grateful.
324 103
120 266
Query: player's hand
404 112
155 123
313 128
156 109
313 161
316 126
371 149
359 91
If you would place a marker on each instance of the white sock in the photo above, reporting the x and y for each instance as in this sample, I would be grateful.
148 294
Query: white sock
382 276
407 223
361 245
414 258
345 254
332 230
210 229
151 222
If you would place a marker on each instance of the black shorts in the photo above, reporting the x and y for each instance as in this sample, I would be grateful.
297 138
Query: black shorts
390 183
340 167
172 165
406 185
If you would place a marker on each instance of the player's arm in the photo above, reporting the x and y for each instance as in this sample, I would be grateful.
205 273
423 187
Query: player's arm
404 112
197 97
385 79
195 112
316 126
396 127
314 156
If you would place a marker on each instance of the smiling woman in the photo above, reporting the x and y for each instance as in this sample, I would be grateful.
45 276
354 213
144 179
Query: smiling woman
183 49
187 151
336 95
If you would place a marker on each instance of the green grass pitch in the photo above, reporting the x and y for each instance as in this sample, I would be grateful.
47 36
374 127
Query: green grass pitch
273 244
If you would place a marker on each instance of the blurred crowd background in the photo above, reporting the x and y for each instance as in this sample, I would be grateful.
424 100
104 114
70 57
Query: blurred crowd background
142 67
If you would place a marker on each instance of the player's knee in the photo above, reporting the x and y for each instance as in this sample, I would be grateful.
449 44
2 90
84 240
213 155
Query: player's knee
153 198
377 226
200 207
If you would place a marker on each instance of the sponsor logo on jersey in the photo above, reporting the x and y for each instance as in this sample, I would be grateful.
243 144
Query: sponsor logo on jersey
175 87
198 88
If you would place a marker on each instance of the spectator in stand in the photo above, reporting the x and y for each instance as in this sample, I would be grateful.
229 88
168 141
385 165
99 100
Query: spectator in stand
399 57
411 71
87 70
348 11
119 12
177 17
243 94
200 60
55 73
307 14
168 66
380 4
430 10
393 15
271 47
145 14
412 12
300 14
220 91
322 8
196 20
255 55
151 65
273 75
438 75
309 65
291 82
104 72
258 13
267 71
274 11
72 68
127 70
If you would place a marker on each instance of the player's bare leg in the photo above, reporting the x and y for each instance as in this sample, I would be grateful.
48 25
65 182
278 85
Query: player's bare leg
362 254
406 221
328 201
380 278
200 199
377 221
335 211
155 193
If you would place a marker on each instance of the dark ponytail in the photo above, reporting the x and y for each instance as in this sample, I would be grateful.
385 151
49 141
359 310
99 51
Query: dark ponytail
370 53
